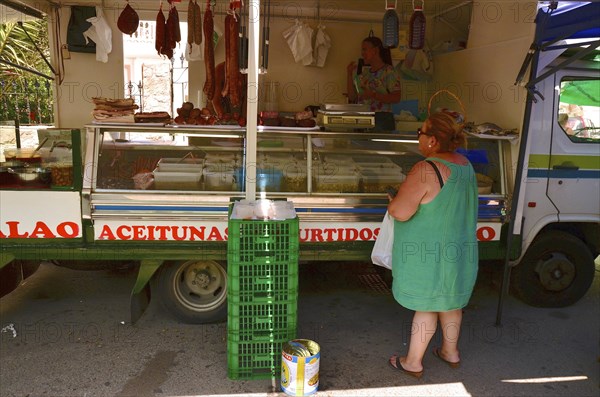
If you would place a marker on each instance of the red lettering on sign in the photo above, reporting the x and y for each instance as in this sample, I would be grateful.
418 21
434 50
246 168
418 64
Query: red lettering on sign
366 234
351 234
197 233
13 230
120 232
62 230
215 234
486 233
317 235
162 231
139 232
106 234
42 230
176 235
303 235
329 233
150 232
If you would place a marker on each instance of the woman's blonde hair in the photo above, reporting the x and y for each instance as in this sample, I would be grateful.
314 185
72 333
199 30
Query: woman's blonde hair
447 130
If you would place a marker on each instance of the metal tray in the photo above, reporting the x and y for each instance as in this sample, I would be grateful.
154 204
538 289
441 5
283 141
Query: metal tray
345 107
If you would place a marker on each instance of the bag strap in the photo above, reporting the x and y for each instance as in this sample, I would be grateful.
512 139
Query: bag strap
437 172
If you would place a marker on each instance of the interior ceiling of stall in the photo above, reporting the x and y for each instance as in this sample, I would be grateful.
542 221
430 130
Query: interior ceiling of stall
328 9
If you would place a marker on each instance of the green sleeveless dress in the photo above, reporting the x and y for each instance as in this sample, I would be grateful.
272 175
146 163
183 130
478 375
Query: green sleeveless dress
435 256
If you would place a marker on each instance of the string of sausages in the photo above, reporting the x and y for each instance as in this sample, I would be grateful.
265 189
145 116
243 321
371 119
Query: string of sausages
168 33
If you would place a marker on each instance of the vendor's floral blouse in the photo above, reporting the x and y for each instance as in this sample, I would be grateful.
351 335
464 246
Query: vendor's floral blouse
383 81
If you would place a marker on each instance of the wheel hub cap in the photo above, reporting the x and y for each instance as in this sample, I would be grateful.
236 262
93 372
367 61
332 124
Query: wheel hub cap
202 280
556 272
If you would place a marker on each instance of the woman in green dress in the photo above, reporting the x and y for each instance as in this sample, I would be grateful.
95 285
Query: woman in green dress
435 255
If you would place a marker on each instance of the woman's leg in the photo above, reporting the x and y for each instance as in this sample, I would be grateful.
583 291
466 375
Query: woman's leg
450 322
423 327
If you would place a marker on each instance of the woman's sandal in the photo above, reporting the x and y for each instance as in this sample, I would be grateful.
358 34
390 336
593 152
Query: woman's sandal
437 352
399 367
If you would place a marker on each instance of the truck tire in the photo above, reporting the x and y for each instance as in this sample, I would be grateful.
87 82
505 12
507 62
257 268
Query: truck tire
556 271
194 291
11 277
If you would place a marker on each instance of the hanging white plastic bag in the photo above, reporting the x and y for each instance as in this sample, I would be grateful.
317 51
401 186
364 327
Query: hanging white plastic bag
382 250
322 46
299 39
194 52
101 34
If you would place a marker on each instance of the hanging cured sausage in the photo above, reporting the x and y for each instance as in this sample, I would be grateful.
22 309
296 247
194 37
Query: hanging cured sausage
217 99
174 15
172 32
128 20
159 38
194 20
209 53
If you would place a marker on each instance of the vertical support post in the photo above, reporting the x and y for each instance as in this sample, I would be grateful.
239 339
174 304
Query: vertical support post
252 98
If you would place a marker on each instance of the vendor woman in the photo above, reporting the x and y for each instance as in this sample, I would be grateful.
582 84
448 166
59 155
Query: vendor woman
379 85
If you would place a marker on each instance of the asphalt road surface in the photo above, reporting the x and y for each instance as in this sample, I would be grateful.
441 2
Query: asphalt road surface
67 333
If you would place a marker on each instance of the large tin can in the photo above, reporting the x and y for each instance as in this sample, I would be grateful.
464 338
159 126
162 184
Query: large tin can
300 367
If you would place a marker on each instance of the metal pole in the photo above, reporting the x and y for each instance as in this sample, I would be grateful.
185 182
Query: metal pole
252 97
514 209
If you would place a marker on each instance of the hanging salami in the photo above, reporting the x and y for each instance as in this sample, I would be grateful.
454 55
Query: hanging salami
233 72
194 20
128 20
209 53
159 38
197 24
174 16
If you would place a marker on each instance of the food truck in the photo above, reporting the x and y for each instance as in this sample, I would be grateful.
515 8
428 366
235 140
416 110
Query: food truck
156 189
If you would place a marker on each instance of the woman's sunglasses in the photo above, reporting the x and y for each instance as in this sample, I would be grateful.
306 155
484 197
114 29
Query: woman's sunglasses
420 132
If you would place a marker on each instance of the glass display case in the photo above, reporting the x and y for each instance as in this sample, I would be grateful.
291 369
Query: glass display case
288 162
48 158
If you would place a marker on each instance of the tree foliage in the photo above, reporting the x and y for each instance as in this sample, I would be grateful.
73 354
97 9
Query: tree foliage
25 96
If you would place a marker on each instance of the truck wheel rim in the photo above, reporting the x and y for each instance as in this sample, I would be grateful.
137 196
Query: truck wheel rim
200 285
556 272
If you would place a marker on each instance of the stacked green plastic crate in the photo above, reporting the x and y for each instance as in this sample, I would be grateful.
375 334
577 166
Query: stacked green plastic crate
262 294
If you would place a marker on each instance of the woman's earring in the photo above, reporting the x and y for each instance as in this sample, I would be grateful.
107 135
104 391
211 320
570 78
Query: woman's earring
429 146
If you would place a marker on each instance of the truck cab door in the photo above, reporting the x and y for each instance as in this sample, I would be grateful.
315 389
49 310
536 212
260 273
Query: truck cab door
574 162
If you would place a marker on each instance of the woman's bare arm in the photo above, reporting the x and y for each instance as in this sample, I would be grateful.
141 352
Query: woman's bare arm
411 192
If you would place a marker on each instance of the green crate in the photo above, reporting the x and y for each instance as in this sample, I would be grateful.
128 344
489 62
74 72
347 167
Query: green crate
267 241
262 295
263 336
273 316
261 280
254 360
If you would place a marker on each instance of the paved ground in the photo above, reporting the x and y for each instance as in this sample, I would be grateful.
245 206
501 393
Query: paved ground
72 338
